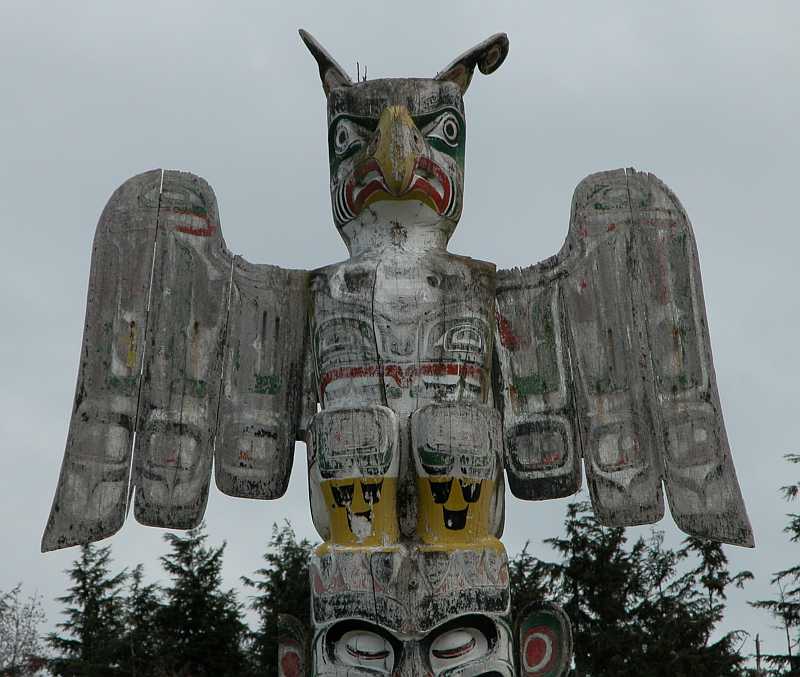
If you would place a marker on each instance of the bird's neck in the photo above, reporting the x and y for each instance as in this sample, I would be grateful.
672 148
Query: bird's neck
374 231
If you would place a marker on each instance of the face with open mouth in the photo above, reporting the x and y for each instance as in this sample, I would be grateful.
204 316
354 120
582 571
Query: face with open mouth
354 452
395 157
456 455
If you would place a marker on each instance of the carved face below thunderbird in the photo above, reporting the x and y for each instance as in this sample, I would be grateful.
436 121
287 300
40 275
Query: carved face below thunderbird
471 646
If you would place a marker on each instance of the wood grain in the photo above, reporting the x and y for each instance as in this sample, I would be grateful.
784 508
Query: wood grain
92 492
609 338
262 390
183 365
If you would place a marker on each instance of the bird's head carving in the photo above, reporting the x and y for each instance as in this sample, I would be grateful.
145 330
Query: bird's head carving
396 148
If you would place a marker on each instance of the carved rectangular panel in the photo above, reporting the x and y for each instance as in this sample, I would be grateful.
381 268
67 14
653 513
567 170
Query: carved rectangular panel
353 460
542 446
702 489
262 389
92 493
183 365
608 342
343 334
457 447
628 306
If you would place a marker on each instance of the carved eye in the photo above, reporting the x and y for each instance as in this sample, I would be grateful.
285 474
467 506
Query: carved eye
457 646
346 138
362 648
465 336
446 128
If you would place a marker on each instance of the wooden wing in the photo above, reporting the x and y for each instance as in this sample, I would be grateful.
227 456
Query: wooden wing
191 357
604 354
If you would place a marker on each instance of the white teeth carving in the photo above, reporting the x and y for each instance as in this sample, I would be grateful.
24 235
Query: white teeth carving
340 210
437 185
372 175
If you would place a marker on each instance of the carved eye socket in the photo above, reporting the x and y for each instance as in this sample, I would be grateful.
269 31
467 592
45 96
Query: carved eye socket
457 646
446 128
362 648
346 137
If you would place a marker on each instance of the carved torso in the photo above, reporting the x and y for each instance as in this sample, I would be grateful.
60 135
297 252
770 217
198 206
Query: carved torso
403 329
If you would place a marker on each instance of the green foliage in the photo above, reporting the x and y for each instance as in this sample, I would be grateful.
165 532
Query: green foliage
785 608
142 642
282 588
635 610
200 626
91 641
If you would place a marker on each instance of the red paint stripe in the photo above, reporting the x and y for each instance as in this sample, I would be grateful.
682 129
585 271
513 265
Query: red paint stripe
402 376
348 372
201 232
507 336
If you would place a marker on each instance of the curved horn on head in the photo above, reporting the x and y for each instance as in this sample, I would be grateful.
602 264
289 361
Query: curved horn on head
330 72
487 56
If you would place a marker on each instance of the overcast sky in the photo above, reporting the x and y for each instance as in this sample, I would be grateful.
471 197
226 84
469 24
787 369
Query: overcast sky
705 95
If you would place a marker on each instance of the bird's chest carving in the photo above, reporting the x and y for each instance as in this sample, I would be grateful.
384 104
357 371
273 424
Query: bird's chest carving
403 331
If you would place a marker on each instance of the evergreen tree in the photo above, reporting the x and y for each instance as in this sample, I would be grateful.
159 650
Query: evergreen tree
283 588
595 580
142 646
200 627
786 606
638 609
92 640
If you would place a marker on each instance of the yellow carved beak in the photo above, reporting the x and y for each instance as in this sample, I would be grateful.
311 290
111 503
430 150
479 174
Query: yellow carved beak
399 144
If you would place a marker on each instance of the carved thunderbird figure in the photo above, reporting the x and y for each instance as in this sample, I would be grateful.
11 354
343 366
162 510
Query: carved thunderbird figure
418 379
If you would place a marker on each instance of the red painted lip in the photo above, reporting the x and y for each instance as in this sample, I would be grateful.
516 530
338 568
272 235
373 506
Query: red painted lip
425 169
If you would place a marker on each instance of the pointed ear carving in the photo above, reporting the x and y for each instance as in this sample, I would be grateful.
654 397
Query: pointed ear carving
330 72
487 56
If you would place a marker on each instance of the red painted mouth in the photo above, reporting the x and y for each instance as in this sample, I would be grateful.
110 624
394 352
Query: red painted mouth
430 185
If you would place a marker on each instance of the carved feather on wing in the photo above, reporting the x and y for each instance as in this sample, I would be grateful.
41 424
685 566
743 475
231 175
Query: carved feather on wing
191 357
604 354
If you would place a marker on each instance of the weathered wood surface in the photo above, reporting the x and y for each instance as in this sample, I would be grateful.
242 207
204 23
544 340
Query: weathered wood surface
414 595
343 334
262 394
92 493
413 580
624 358
159 373
457 449
537 398
353 460
702 489
183 365
604 304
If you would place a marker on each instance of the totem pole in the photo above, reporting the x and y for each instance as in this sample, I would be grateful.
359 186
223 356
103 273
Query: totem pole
415 377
